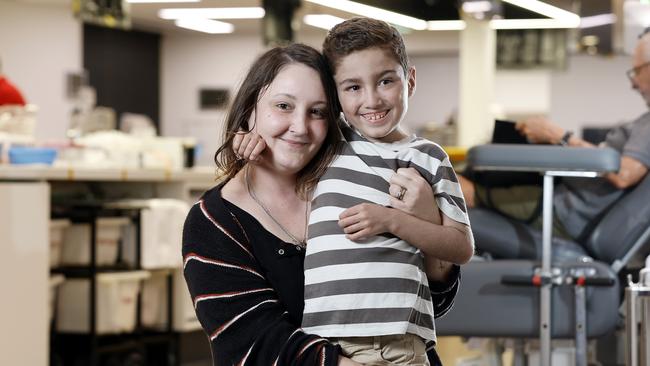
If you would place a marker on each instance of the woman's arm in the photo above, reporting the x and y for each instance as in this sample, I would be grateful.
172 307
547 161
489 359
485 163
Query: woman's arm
236 306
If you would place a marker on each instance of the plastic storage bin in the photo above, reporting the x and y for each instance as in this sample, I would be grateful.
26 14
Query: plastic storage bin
153 312
117 298
55 281
32 155
57 230
76 243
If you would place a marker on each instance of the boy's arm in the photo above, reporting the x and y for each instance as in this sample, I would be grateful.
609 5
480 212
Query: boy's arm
450 242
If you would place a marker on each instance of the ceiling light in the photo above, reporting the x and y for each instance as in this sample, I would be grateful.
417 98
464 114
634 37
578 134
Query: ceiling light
373 12
205 25
161 1
530 23
477 6
597 20
548 10
212 13
324 21
445 25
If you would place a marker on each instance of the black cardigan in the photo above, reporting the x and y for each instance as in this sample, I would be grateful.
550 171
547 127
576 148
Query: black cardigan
247 289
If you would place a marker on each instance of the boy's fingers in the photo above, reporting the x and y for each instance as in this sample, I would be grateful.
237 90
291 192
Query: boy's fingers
244 144
259 147
236 142
248 151
351 229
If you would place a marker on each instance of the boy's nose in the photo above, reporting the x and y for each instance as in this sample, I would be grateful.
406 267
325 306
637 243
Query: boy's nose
372 98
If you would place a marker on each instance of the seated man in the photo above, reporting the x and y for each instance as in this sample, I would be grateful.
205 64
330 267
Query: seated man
578 201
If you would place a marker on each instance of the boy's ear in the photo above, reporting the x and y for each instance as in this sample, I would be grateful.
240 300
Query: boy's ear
411 80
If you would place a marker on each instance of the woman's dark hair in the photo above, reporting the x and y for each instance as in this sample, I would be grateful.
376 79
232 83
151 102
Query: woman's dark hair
260 75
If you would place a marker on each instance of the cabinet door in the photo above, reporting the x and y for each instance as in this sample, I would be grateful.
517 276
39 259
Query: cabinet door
24 273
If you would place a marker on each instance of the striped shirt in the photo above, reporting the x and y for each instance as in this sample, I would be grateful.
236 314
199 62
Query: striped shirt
379 286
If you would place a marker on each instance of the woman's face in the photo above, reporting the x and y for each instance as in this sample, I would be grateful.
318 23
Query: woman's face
290 117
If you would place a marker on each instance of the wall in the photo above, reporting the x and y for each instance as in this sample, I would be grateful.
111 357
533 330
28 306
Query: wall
39 44
191 62
594 91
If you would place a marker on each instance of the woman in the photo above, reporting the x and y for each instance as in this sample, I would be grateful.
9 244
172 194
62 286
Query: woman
243 241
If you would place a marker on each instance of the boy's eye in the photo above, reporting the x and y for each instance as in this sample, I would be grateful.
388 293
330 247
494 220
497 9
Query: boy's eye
385 82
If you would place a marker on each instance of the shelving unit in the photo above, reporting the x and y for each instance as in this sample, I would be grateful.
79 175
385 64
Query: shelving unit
25 196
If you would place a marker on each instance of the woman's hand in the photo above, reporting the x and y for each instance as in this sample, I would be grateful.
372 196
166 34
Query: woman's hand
417 199
248 145
344 361
365 220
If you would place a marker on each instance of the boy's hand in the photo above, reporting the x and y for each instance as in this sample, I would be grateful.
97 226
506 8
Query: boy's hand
417 199
248 145
364 220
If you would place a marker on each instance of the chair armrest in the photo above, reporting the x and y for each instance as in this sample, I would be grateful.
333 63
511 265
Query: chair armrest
543 158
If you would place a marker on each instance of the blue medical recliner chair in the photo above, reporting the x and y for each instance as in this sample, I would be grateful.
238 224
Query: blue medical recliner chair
539 286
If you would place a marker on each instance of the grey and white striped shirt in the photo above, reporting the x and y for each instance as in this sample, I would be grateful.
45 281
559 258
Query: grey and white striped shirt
378 286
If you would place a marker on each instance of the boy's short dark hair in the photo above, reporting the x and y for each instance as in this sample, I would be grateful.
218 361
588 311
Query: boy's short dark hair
360 33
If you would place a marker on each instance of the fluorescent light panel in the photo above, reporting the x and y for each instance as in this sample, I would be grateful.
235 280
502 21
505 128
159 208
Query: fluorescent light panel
373 12
597 20
205 25
546 10
324 21
445 25
477 6
161 1
212 13
530 23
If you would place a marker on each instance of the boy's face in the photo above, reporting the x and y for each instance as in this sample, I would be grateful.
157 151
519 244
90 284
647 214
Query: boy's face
374 92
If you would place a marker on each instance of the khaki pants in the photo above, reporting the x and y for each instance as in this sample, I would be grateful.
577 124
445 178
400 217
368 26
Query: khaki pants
390 350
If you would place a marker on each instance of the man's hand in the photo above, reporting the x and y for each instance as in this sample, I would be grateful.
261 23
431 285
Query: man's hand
540 130
418 198
248 145
365 220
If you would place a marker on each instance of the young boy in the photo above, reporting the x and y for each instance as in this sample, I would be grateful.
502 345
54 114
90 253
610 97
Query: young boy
371 251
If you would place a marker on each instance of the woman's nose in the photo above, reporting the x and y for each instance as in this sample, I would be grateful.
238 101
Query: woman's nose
299 124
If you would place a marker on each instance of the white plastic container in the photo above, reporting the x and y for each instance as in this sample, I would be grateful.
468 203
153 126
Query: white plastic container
154 300
184 315
57 230
117 297
76 242
55 281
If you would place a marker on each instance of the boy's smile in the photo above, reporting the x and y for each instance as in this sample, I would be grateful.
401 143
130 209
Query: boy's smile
373 92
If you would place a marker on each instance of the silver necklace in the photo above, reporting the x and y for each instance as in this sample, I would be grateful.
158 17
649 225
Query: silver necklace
251 192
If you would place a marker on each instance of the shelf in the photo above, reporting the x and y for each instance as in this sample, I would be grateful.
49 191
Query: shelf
72 174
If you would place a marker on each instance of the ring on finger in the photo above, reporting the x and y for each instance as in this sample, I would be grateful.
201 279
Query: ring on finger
401 193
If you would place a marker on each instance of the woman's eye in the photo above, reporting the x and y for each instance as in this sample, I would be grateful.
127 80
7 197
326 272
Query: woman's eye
385 82
282 106
352 88
319 113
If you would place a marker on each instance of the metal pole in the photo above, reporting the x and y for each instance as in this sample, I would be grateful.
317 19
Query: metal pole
631 340
545 291
581 325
